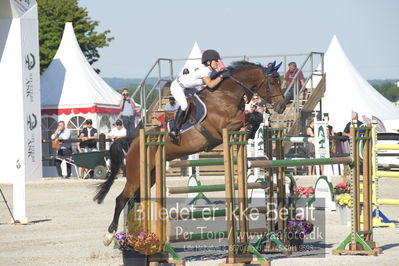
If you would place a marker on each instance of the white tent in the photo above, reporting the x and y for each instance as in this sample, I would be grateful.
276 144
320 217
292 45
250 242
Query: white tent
347 91
194 59
73 92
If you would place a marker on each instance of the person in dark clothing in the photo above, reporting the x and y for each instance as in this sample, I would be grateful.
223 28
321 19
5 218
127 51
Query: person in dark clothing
355 120
253 119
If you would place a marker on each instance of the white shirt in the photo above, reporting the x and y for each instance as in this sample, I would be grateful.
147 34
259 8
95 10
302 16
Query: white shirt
115 132
194 79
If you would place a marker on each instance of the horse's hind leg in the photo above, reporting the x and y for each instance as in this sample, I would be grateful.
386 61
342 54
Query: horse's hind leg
120 203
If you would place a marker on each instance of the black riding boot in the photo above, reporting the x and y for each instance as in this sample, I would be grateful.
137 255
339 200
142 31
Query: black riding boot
179 118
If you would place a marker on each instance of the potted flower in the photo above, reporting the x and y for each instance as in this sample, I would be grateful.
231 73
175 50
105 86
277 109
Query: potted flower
136 244
296 231
344 203
301 196
341 188
136 247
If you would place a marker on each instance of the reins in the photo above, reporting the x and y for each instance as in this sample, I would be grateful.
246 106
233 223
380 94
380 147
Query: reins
251 91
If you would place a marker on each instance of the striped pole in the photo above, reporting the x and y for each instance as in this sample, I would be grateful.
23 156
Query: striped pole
387 174
388 201
390 147
298 139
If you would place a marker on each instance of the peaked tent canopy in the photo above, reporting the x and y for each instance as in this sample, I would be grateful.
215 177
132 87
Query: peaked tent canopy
347 91
70 85
194 59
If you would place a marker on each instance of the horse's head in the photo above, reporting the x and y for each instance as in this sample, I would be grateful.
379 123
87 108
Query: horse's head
270 89
251 78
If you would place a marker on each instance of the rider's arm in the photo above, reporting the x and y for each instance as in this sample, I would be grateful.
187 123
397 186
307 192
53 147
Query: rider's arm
212 83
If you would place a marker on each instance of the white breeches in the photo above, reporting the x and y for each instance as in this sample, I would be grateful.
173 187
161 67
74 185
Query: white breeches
178 92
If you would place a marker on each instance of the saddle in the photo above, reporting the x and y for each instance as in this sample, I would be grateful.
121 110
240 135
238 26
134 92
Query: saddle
196 111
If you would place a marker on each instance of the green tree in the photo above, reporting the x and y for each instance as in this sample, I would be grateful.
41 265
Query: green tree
389 90
53 14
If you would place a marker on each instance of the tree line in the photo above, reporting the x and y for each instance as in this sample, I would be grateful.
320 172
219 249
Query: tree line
53 14
389 90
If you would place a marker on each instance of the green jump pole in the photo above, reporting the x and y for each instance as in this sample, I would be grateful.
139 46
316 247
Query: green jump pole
211 235
211 188
299 162
198 162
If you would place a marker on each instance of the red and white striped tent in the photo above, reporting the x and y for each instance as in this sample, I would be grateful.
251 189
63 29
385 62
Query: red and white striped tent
72 91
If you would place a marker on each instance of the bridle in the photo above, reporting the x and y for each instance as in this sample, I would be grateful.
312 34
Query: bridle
251 91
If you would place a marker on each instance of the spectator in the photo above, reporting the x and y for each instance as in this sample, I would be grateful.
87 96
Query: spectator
171 106
65 149
289 76
247 106
311 149
255 100
252 121
170 109
355 120
127 107
89 135
333 142
259 104
118 131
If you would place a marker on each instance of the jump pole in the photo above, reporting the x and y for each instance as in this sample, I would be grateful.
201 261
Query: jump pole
360 240
148 142
380 219
211 188
239 249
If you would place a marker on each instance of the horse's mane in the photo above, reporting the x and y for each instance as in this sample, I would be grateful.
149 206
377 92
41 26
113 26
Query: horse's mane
244 65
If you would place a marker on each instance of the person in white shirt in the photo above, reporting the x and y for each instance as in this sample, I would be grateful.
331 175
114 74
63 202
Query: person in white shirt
118 131
198 78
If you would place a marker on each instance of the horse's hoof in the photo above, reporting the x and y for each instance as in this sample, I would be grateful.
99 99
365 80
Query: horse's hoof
107 239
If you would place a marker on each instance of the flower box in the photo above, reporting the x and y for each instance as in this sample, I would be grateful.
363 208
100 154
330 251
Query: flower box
134 258
344 213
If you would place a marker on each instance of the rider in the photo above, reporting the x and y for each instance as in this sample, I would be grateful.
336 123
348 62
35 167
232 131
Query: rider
195 79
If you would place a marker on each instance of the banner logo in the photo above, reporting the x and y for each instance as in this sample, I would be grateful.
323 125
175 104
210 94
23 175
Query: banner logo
30 61
23 5
32 121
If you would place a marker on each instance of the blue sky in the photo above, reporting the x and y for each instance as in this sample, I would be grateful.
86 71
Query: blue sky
146 30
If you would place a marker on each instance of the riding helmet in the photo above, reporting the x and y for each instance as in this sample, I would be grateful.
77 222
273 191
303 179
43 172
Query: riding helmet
210 55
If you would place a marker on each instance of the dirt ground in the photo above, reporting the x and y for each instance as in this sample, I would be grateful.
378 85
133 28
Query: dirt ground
67 227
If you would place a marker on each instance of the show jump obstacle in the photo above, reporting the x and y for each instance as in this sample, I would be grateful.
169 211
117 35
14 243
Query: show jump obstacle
380 219
360 240
156 223
240 251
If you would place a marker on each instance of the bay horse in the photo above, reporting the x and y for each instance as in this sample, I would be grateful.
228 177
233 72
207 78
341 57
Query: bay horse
225 107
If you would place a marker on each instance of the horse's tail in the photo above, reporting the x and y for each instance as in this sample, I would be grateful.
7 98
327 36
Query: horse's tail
117 152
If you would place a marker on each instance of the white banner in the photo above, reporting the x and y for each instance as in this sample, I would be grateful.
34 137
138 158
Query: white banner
321 143
20 102
31 97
